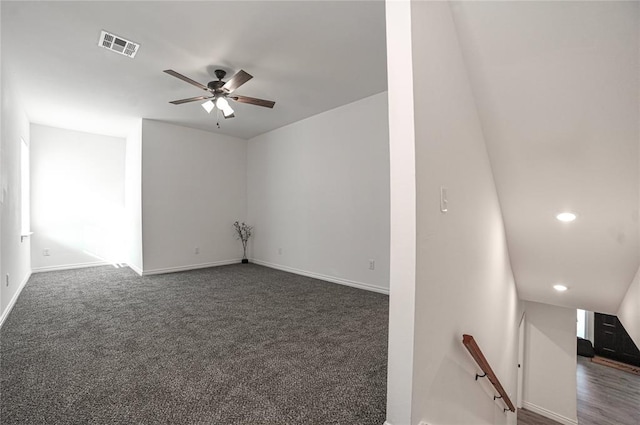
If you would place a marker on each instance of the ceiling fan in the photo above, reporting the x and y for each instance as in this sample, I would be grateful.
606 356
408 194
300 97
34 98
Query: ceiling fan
221 92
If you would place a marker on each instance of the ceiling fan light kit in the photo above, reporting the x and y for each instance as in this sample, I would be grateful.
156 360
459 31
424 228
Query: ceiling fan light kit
224 106
208 106
220 92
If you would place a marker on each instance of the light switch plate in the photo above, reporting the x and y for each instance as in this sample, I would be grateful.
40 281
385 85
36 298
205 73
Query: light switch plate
444 202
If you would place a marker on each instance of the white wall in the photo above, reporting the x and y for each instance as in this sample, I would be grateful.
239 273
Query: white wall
2 106
133 197
402 258
629 311
464 282
193 189
550 362
14 253
318 190
77 198
591 321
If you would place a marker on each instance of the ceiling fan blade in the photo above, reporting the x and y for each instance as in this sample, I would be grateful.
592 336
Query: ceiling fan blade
186 79
228 116
191 99
254 101
236 81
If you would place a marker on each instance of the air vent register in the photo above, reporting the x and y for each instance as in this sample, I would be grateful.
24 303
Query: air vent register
118 44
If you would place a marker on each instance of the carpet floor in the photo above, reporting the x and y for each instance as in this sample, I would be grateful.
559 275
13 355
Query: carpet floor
239 344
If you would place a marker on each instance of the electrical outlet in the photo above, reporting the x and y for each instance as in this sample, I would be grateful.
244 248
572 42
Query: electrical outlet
279 251
6 279
196 250
372 264
45 252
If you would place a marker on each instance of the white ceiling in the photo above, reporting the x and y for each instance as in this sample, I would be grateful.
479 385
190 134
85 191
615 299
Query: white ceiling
557 88
307 56
556 83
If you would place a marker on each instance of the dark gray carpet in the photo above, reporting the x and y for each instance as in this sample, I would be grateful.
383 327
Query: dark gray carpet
240 344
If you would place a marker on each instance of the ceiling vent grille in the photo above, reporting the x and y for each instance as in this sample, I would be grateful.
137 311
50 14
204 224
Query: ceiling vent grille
118 44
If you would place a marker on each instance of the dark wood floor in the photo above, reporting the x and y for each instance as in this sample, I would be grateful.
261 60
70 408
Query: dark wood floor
526 417
606 396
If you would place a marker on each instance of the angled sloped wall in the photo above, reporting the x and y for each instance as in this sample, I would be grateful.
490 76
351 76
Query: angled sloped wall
463 281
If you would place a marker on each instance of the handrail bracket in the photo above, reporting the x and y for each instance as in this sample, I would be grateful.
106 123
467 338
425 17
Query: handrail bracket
481 360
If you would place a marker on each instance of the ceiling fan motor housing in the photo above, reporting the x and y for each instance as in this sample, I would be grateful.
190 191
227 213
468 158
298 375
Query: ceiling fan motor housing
215 86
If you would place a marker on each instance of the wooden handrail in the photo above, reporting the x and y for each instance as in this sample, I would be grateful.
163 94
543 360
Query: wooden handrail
477 355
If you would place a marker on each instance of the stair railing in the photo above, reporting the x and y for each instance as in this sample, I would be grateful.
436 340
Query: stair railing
477 355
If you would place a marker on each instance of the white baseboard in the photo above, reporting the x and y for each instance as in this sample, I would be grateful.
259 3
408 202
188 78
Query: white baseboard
188 267
549 414
6 312
69 266
340 281
135 269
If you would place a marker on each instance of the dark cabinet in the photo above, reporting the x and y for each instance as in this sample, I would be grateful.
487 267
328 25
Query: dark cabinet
612 341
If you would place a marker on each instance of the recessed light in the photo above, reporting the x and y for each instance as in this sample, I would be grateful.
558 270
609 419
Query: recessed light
560 288
566 216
